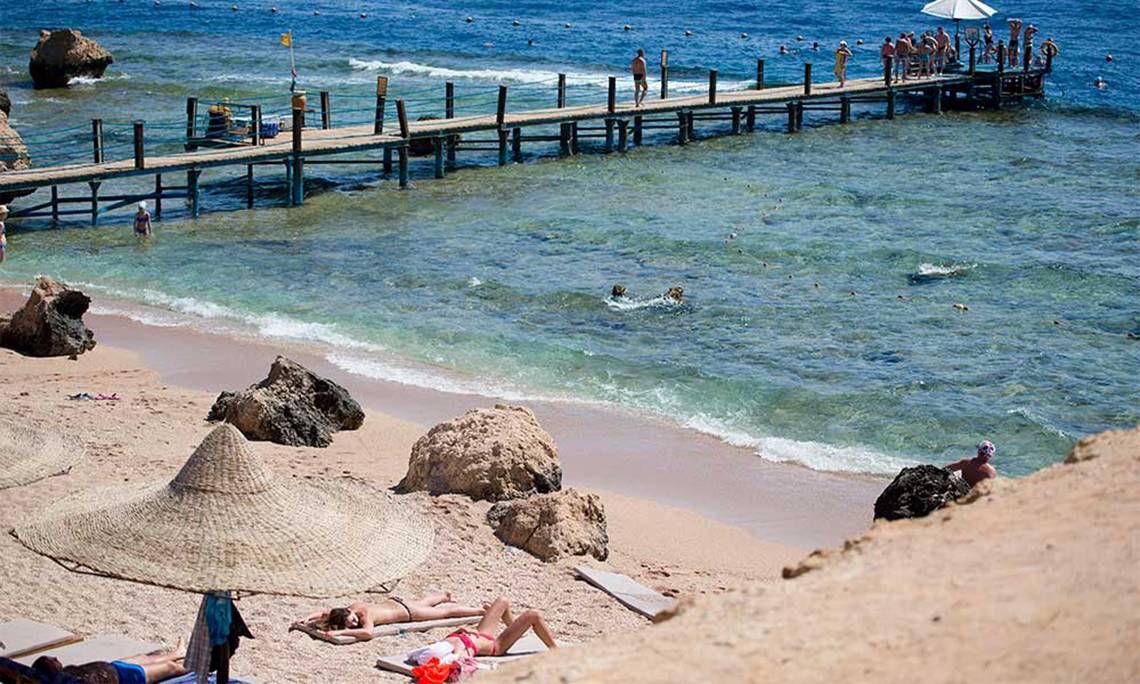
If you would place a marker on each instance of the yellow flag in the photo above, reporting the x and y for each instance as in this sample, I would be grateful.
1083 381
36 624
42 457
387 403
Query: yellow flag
287 39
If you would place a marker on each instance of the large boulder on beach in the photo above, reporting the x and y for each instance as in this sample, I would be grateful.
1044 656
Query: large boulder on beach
50 323
553 526
293 406
488 454
919 491
63 54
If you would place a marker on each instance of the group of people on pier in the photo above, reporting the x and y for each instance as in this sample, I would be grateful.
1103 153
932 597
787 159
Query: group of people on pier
921 56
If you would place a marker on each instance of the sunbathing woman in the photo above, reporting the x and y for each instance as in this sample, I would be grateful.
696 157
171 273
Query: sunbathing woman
358 619
479 642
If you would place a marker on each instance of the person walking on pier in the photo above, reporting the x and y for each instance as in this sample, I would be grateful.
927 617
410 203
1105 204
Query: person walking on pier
942 53
640 83
902 57
1014 35
842 54
142 221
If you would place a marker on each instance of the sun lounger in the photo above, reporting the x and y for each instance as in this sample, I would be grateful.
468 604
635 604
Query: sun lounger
637 597
523 648
389 630
105 648
20 637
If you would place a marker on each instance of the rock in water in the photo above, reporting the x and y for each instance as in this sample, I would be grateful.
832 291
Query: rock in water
63 54
13 156
919 491
552 526
293 406
491 454
5 103
50 322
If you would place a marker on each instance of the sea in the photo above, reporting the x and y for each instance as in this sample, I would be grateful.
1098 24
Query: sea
856 298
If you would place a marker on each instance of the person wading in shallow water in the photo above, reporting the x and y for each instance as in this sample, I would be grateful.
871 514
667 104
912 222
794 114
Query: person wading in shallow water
978 468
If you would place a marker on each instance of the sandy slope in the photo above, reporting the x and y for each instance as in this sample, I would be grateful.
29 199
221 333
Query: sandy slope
1036 580
152 431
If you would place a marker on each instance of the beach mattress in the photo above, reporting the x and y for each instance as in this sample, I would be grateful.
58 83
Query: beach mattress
105 648
523 648
389 630
637 597
20 636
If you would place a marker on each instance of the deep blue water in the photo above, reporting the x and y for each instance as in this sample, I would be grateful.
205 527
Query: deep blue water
496 279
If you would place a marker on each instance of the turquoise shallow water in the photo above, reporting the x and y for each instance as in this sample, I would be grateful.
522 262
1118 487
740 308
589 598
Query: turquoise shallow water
497 279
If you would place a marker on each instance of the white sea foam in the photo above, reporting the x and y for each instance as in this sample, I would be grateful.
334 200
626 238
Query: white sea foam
929 270
631 304
521 76
474 282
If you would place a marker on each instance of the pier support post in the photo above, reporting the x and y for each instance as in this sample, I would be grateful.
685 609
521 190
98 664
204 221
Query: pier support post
297 186
249 186
381 102
326 111
844 109
191 118
564 139
437 146
936 100
94 185
890 103
791 117
137 138
192 193
387 161
402 119
1049 62
664 74
888 61
637 130
759 74
623 135
452 145
561 90
503 146
750 119
736 120
800 115
501 110
807 78
689 125
611 96
609 136
55 204
712 86
403 156
449 100
682 129
288 182
1000 78
255 124
516 145
973 60
158 195
574 137
97 140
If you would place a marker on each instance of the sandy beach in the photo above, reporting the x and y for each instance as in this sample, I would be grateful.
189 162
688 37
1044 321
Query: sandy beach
662 539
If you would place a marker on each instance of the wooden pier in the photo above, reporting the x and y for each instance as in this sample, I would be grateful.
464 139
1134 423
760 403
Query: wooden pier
618 124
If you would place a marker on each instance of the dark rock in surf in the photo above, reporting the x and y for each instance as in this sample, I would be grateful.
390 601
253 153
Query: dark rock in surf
63 54
919 491
293 406
50 323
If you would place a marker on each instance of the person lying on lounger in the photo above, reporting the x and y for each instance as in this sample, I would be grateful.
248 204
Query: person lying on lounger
358 619
471 643
146 669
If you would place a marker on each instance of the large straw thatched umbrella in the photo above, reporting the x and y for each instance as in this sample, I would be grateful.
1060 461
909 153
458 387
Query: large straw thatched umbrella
28 454
225 523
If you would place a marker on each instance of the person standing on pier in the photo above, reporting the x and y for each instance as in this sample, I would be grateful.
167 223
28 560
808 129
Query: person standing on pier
902 57
1030 31
1014 35
142 221
640 83
988 38
842 54
942 51
886 53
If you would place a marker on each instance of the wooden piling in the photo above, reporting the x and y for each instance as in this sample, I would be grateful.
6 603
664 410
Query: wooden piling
55 204
750 119
936 100
890 103
973 60
609 136
140 153
97 140
564 139
449 100
712 86
623 135
736 120
297 186
255 123
502 146
664 74
381 98
387 161
191 118
516 144
501 110
94 185
637 130
682 129
759 74
437 145
249 186
799 115
158 195
791 117
807 78
561 90
402 152
192 191
402 119
326 111
1048 62
611 96
998 80
689 125
844 109
574 137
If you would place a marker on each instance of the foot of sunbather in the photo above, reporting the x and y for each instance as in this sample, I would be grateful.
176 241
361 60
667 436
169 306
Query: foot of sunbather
357 619
479 642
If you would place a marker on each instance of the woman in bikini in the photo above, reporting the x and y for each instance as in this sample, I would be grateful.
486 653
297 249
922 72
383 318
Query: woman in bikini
358 619
480 642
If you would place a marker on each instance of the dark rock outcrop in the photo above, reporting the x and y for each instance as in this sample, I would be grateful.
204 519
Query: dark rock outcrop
50 323
5 103
293 406
919 491
13 156
553 526
63 54
487 454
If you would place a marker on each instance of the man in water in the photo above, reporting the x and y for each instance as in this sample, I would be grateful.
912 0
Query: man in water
978 468
1014 35
640 84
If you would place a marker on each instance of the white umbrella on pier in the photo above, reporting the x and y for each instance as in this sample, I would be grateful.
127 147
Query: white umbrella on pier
970 10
